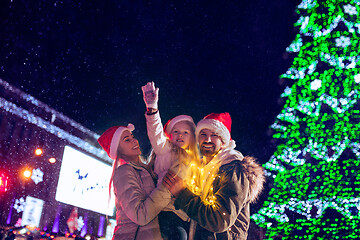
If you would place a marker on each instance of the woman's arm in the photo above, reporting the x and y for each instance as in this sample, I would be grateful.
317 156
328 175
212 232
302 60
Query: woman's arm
141 209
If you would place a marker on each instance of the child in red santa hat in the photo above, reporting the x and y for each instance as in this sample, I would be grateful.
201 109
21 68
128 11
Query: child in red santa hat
174 147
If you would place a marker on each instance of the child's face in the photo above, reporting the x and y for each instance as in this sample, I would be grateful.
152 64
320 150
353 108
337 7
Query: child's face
181 135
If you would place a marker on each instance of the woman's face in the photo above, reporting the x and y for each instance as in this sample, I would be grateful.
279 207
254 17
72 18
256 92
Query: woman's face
129 146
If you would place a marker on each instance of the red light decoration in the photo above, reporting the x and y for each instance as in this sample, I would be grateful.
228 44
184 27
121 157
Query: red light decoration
3 182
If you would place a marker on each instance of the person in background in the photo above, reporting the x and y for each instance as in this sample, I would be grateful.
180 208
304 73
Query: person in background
229 182
174 146
134 188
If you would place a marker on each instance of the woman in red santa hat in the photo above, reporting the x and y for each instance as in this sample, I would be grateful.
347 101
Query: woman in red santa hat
137 200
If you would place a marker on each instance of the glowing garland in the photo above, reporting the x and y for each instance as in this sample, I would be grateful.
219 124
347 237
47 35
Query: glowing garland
49 127
55 114
316 185
196 184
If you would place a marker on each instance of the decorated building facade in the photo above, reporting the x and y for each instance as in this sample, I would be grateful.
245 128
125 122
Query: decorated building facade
48 165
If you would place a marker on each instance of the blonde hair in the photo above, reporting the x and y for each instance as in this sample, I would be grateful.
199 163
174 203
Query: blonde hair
119 161
189 160
185 157
115 163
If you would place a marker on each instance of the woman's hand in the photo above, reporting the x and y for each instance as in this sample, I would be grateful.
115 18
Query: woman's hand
150 95
174 183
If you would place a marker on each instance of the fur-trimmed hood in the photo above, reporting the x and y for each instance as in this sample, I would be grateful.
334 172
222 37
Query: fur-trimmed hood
253 170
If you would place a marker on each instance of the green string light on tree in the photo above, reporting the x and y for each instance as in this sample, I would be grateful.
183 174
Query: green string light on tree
315 190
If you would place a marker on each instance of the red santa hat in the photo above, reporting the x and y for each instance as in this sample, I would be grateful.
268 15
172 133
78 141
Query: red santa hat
171 123
220 124
110 139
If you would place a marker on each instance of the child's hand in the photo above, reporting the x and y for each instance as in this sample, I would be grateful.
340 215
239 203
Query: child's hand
174 183
150 95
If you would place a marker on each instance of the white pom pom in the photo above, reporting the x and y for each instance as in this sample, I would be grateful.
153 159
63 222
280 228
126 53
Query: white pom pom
131 127
232 144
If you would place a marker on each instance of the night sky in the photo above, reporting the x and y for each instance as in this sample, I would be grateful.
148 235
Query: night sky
89 59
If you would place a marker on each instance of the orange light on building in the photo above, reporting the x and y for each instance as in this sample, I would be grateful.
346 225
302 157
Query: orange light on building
31 227
52 160
38 152
27 173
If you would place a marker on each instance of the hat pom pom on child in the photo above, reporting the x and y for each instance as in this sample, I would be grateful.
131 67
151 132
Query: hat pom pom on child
220 123
110 139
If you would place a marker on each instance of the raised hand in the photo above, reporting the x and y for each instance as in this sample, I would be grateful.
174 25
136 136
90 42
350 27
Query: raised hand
150 95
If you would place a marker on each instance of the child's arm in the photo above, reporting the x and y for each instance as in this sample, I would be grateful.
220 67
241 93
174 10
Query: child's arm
155 130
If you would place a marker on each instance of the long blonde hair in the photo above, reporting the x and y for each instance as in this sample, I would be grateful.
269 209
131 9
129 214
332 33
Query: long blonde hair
117 162
189 159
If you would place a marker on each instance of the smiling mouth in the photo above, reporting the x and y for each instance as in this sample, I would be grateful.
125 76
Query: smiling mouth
207 147
136 148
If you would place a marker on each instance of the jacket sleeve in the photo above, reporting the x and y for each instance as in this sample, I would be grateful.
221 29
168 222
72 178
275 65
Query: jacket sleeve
156 133
138 207
230 189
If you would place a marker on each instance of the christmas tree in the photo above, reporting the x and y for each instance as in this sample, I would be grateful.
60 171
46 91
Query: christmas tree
314 172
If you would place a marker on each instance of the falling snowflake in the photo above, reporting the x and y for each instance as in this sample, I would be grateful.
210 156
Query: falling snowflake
19 204
37 176
349 9
80 222
342 41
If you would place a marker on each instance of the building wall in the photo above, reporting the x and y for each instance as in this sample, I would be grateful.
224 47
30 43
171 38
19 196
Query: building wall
27 124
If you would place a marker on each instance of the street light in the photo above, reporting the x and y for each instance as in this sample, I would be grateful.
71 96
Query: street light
38 151
27 173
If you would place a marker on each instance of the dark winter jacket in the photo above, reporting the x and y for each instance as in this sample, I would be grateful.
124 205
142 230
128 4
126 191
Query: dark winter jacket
238 183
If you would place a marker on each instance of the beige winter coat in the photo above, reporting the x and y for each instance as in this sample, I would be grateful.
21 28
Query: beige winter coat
137 204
